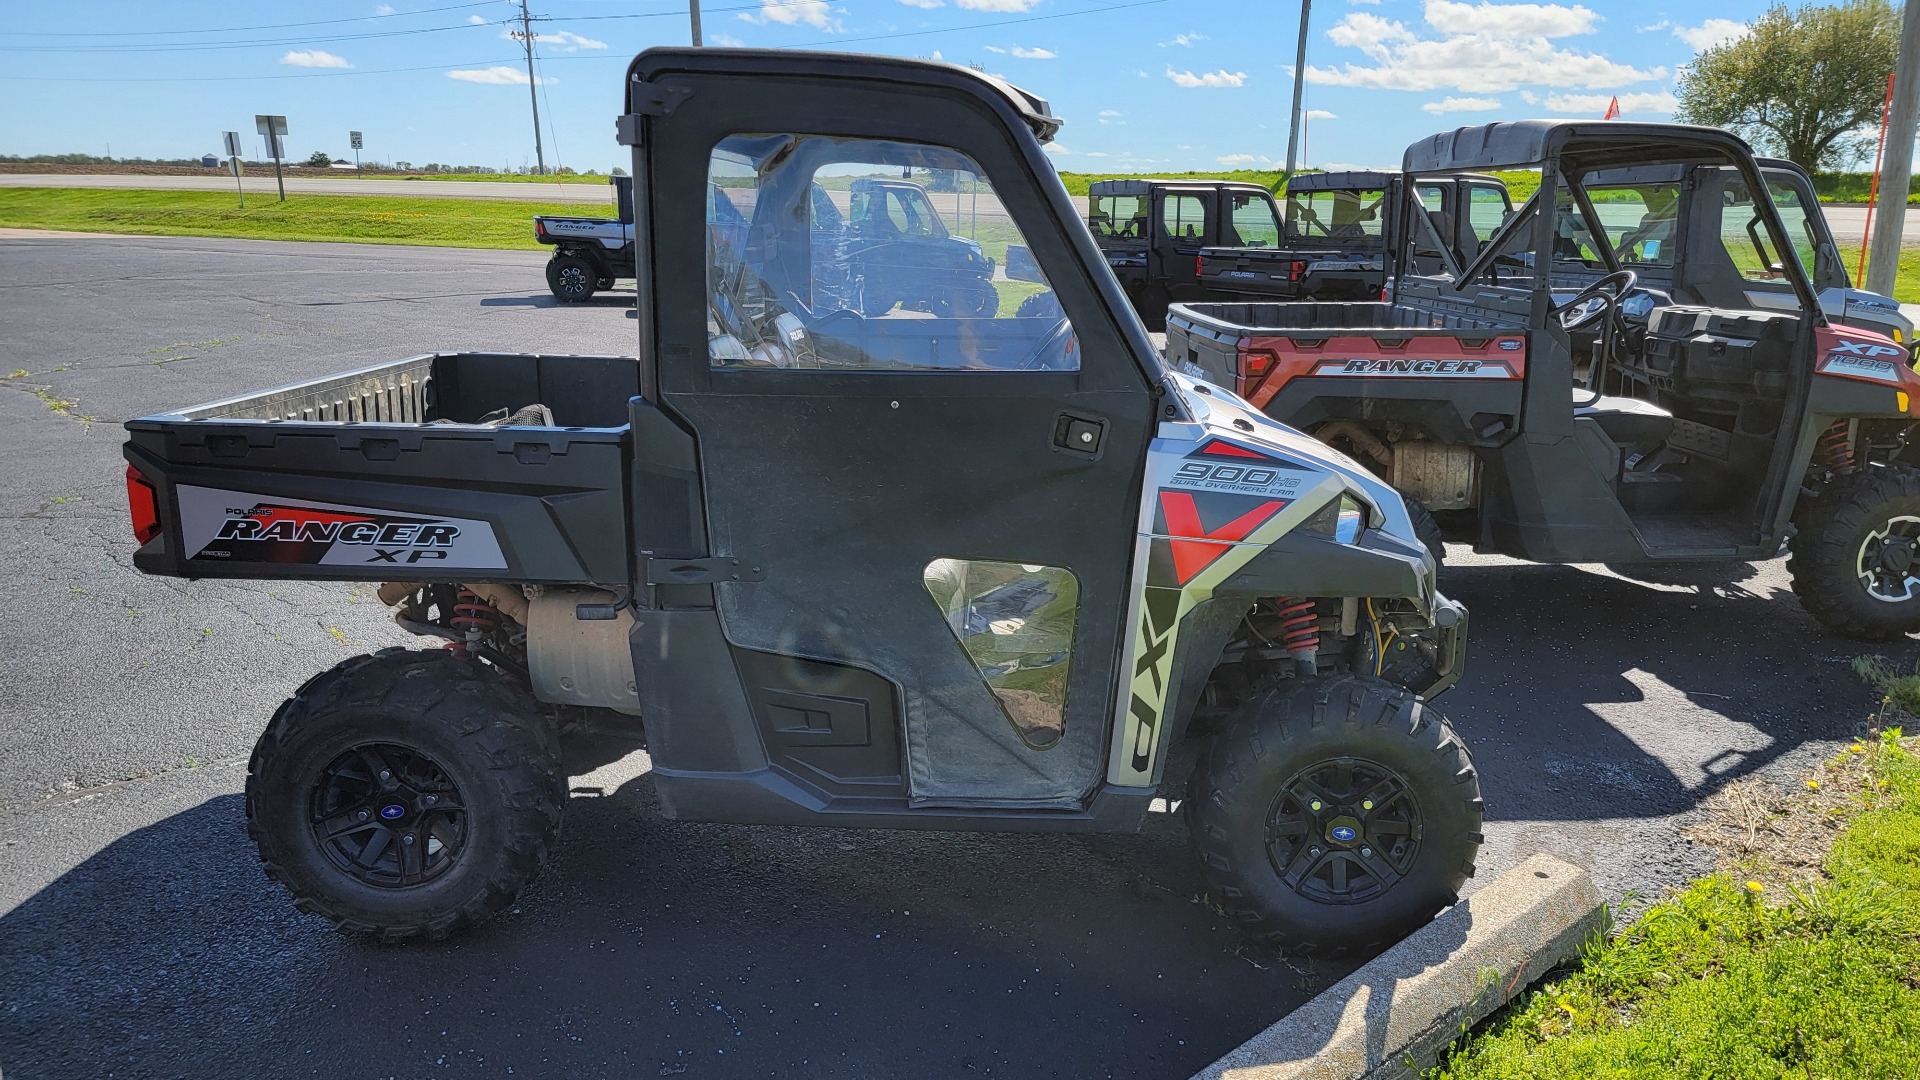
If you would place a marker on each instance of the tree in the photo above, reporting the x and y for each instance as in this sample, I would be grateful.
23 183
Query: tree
1804 83
320 160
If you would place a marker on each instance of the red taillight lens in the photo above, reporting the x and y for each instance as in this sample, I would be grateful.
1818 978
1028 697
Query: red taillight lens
141 506
1257 363
1199 266
1294 271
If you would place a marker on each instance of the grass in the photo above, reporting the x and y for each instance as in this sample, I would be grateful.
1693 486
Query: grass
1757 972
478 223
1906 283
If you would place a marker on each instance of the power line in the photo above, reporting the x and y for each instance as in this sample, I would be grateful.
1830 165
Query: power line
236 29
253 43
254 78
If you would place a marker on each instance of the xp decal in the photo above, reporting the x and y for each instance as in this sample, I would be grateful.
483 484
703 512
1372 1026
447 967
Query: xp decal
233 526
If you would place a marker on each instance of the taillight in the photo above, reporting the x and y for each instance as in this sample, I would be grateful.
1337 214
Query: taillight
1294 271
141 506
1199 266
1256 363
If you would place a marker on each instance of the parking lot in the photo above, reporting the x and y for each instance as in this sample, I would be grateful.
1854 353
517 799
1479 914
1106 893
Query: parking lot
138 937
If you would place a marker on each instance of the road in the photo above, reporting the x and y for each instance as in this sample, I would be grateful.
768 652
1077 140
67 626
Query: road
138 937
257 183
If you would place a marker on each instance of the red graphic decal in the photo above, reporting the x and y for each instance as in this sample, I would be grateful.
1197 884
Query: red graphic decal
1216 448
1202 548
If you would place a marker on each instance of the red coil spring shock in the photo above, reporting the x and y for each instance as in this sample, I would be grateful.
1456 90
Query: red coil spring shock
1835 450
1299 632
473 618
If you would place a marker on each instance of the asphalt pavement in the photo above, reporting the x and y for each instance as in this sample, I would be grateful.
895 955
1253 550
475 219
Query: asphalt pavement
138 937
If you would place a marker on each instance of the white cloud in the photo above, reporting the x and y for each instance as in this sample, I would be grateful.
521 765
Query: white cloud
814 13
1056 148
1369 3
1094 153
1461 104
1110 112
1710 33
475 20
1183 40
1235 159
314 58
1659 102
995 49
499 75
1033 54
1319 114
927 4
728 41
1481 47
1223 77
1016 6
383 9
559 40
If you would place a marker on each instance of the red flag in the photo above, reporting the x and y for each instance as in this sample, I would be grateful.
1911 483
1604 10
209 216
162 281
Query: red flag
1613 109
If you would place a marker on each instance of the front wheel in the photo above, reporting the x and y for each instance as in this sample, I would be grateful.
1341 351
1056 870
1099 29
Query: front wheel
1334 813
572 278
405 794
1856 557
1428 531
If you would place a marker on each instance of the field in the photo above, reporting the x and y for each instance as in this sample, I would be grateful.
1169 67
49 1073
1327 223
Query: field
363 219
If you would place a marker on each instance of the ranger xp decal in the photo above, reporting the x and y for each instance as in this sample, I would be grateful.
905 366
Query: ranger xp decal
233 526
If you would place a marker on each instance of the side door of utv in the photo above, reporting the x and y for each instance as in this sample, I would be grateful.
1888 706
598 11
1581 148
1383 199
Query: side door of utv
933 515
1183 223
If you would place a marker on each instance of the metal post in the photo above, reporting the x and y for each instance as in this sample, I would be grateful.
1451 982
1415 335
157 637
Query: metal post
526 37
273 143
1299 87
693 9
1883 265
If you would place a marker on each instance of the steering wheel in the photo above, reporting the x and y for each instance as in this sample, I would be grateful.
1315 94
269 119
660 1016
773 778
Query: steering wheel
1582 311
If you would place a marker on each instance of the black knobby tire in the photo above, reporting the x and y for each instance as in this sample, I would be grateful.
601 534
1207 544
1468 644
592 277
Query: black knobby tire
1428 531
1836 543
1245 813
572 278
476 772
976 300
1041 305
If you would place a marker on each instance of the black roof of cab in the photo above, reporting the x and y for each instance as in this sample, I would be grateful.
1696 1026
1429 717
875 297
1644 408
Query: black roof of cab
1147 187
1341 181
1580 144
658 61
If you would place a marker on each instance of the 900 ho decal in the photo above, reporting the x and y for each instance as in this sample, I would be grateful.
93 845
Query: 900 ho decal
232 526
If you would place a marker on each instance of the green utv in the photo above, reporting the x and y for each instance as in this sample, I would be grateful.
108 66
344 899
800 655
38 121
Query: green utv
946 569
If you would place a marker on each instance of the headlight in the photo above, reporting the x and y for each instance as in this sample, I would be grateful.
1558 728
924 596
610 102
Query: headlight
1343 519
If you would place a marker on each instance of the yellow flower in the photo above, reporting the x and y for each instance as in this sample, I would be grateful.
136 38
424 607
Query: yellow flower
1813 785
1755 887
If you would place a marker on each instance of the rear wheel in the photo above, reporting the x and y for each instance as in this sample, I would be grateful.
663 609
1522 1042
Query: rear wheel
572 278
974 300
1428 530
1856 557
405 794
1334 813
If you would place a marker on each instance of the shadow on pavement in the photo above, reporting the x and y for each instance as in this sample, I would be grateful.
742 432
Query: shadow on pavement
1589 696
649 948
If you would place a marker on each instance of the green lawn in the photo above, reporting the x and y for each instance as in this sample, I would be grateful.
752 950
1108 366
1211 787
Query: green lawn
513 178
364 219
1734 979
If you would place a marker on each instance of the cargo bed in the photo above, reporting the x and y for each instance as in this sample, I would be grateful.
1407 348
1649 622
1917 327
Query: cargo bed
398 472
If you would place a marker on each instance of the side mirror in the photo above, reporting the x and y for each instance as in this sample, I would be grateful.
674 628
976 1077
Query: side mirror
1021 265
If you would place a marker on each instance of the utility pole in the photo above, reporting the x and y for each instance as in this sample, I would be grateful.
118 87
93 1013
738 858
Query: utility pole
1299 87
1884 260
525 34
693 9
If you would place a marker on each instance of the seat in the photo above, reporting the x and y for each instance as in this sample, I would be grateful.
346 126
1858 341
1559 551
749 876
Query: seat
1629 422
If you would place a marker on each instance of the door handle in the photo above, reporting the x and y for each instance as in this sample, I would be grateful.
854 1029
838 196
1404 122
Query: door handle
1079 434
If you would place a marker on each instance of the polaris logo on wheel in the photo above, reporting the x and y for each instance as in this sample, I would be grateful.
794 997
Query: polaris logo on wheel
237 527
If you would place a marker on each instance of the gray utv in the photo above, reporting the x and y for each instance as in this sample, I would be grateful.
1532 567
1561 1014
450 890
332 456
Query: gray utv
913 569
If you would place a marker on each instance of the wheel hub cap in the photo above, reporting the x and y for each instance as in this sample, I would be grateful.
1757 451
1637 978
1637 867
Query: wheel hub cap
1886 561
1343 831
388 816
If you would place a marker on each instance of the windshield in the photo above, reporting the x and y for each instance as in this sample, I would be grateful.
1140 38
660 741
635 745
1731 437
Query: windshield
1118 217
1336 217
1637 222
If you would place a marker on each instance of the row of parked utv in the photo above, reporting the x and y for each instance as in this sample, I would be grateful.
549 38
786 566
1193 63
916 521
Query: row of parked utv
866 535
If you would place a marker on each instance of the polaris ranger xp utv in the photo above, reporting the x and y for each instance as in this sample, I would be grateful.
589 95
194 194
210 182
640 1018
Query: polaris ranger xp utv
928 570
1687 400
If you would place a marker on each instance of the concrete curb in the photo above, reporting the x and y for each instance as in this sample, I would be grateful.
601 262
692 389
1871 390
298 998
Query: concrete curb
1387 1020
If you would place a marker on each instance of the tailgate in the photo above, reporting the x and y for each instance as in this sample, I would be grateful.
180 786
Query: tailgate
389 473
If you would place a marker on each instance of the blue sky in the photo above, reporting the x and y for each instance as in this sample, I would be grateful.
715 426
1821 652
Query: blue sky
1197 84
